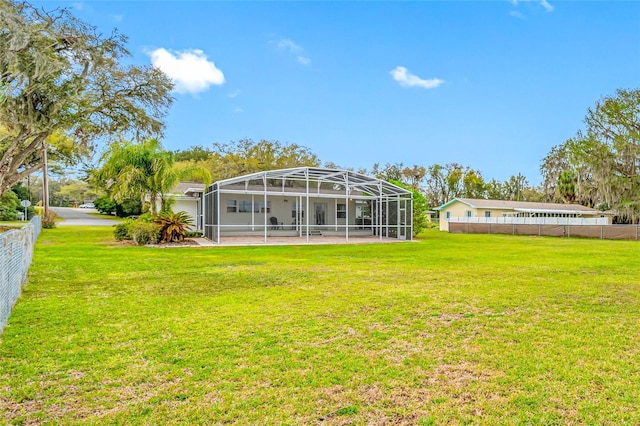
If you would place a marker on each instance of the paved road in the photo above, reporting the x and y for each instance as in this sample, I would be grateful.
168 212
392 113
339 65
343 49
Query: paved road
80 217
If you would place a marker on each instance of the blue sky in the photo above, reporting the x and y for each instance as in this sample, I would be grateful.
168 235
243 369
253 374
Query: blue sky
492 85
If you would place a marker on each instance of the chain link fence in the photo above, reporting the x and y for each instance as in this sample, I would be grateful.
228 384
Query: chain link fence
16 252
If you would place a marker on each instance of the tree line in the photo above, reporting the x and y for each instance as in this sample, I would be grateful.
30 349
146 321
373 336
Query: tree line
595 169
600 165
65 88
437 183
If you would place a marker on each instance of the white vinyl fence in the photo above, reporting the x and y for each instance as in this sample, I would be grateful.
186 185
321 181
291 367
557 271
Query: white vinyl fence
511 220
16 252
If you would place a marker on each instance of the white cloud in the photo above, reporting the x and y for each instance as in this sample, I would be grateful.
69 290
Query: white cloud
516 14
190 70
289 46
406 79
117 18
544 3
233 94
237 110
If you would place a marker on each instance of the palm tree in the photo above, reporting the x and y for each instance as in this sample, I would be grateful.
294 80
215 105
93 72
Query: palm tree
566 186
144 170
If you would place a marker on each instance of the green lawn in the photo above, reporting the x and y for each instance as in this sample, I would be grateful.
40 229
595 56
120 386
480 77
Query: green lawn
454 329
7 225
105 216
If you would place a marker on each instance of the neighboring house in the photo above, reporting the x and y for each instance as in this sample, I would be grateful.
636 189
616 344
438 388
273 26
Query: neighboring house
432 215
470 210
307 201
188 198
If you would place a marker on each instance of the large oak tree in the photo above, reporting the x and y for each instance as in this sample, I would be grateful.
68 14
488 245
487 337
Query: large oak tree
59 74
600 165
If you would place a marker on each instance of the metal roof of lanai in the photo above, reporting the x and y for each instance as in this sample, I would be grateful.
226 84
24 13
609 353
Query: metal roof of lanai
352 180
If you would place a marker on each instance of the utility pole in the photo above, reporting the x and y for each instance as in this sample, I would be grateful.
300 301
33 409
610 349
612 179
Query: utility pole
45 182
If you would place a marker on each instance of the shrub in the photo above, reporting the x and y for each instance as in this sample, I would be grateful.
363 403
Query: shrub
146 217
143 233
173 227
49 220
9 202
419 208
129 207
8 213
193 234
105 204
122 231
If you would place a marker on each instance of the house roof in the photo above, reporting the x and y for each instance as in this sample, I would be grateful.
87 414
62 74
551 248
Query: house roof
352 180
522 206
188 188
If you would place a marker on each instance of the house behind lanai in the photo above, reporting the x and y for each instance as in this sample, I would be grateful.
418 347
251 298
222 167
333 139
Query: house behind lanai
188 198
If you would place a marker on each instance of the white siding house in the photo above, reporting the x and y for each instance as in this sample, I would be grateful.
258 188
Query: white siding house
471 210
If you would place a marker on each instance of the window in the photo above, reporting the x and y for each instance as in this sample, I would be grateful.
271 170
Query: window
341 211
448 215
467 213
245 206
487 213
363 209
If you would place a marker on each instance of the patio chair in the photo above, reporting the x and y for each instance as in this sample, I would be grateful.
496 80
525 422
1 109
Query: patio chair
274 222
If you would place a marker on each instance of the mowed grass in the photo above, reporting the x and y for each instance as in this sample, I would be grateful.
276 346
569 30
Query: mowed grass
457 329
105 216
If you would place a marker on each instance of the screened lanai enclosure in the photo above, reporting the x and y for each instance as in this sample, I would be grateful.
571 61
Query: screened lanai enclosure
307 203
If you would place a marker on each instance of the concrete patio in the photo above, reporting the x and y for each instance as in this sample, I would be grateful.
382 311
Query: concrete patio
281 241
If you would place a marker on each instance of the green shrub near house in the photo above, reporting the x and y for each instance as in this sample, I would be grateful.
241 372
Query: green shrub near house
148 229
173 226
122 231
419 218
143 233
